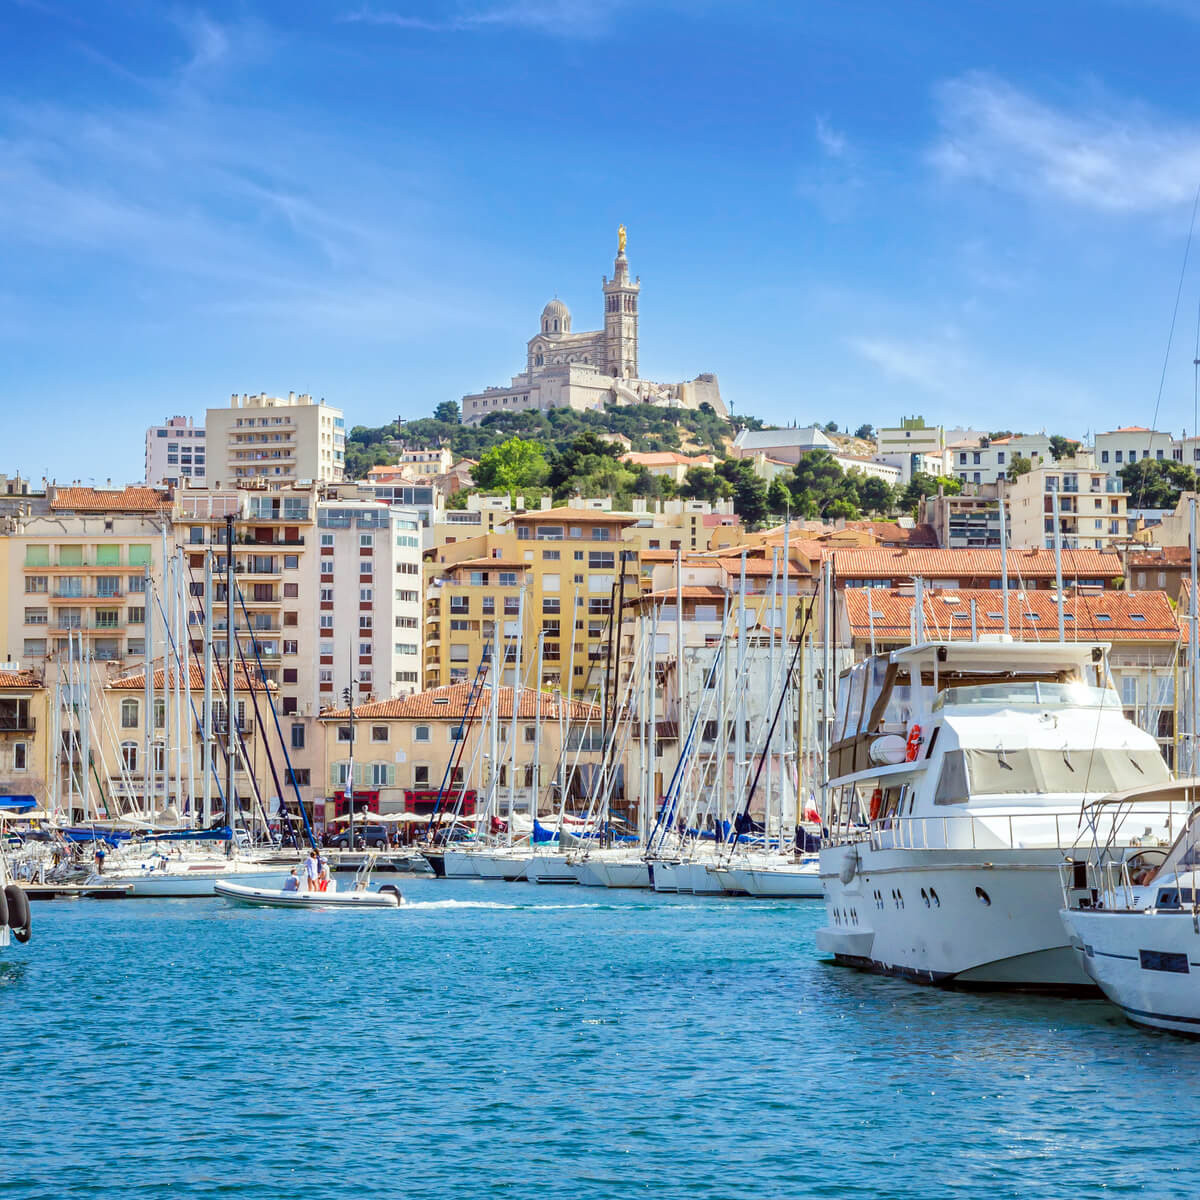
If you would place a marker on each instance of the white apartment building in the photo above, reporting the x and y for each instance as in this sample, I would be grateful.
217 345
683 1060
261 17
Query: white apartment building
1091 508
1117 448
987 460
275 439
174 453
435 460
368 619
912 446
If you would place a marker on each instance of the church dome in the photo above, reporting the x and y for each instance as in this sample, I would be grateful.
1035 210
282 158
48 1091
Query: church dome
556 317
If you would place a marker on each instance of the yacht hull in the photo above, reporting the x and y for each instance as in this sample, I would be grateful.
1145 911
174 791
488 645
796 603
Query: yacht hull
461 864
785 881
499 865
551 868
613 873
975 918
1146 963
187 885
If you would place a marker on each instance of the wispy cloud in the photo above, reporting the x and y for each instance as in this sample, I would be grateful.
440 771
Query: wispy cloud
1108 158
829 139
936 367
554 18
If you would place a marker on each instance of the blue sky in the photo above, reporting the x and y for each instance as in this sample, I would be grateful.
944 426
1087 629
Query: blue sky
851 211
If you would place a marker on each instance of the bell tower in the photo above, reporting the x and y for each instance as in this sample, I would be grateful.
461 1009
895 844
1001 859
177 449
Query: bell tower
621 317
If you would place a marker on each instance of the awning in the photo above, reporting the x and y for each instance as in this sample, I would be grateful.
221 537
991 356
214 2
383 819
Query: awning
21 803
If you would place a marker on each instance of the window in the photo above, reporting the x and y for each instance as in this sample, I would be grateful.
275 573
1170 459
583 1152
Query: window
1118 455
137 583
108 586
327 595
37 556
343 733
422 733
36 584
37 616
291 591
379 733
297 737
508 579
406 648
551 555
366 539
327 539
551 582
365 622
1129 690
420 776
406 597
129 756
129 714
20 756
406 623
302 776
135 616
530 732
326 620
366 595
291 675
512 606
291 562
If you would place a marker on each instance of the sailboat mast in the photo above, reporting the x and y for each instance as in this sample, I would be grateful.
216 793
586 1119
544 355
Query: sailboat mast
148 700
1193 639
1003 554
206 756
537 730
516 704
230 653
1058 565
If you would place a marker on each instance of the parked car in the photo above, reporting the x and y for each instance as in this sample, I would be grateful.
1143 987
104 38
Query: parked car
374 837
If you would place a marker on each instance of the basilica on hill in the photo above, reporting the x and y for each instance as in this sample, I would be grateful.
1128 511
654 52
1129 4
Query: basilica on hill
564 369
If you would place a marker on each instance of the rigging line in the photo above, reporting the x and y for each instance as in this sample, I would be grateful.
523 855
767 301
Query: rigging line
1162 379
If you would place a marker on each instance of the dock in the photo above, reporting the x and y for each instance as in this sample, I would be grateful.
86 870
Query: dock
76 891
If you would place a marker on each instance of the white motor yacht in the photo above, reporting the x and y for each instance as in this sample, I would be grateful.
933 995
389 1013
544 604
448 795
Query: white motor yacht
1134 920
959 773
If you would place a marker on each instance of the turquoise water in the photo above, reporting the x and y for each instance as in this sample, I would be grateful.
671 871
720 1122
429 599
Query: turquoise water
496 1039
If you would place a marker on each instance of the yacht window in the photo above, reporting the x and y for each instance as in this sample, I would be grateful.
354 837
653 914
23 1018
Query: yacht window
839 718
858 679
1011 772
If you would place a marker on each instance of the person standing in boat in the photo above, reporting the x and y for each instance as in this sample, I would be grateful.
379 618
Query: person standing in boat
312 870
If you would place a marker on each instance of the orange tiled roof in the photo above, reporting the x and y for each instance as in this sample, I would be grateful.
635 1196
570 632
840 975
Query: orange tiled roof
1131 429
450 704
19 679
964 563
1168 556
129 499
137 682
1033 615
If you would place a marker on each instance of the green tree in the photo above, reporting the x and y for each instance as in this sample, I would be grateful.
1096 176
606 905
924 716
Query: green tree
512 465
1062 447
1019 466
831 427
876 496
818 483
703 483
923 485
749 491
866 432
779 498
1156 483
448 411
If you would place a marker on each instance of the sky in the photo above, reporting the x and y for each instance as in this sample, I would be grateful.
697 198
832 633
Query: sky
853 211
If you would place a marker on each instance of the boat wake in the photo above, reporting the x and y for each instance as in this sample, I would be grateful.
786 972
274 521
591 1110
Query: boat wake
410 905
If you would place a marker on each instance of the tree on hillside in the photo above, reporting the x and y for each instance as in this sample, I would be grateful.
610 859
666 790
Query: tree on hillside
749 491
831 427
821 489
923 485
779 499
448 411
703 483
586 456
511 466
1156 483
1019 466
876 496
1062 447
866 432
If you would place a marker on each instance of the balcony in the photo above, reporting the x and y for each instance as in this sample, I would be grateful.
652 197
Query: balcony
10 723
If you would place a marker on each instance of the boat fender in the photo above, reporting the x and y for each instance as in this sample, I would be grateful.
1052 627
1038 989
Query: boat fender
391 887
17 904
913 745
849 868
3 909
876 803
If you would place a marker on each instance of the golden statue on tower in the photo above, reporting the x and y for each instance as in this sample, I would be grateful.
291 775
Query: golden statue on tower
620 239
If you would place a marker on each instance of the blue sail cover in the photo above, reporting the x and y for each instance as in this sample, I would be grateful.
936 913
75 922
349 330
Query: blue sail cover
221 834
542 835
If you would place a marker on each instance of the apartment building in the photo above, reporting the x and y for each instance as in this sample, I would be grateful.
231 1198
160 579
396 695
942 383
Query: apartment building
911 447
275 439
369 600
402 749
1117 448
970 519
1090 507
990 459
566 563
175 452
81 567
25 739
957 569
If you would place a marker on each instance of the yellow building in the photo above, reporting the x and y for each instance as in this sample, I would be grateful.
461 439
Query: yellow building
568 565
402 749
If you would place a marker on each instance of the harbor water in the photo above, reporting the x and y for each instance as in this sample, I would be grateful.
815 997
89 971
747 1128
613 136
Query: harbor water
493 1039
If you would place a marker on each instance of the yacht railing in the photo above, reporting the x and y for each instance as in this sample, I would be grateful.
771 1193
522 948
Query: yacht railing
1063 830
